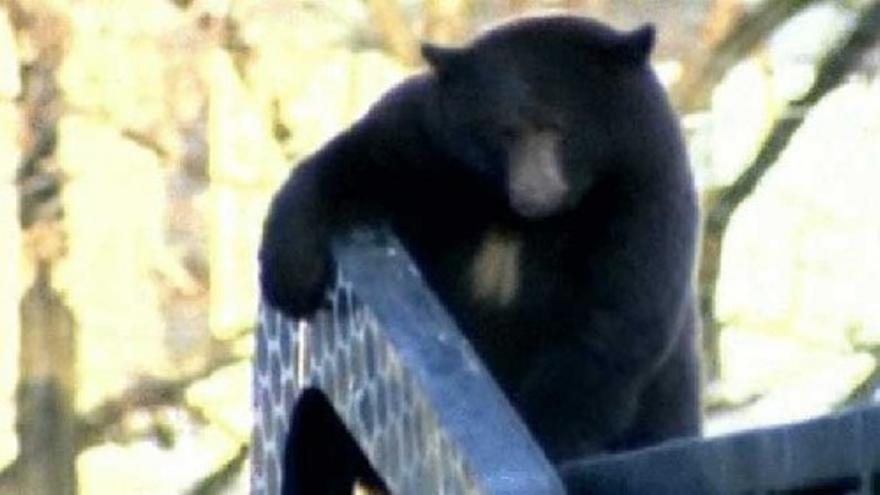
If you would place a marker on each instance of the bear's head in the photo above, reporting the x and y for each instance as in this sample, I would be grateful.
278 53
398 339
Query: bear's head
529 105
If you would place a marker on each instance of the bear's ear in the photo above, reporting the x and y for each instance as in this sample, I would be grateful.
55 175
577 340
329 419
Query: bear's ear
636 46
442 59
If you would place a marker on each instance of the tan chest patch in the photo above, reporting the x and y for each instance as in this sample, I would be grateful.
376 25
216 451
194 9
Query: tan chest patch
495 269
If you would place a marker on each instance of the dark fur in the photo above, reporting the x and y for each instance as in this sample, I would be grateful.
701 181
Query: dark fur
579 298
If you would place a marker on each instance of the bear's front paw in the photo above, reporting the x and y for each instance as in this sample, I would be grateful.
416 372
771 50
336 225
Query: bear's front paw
292 279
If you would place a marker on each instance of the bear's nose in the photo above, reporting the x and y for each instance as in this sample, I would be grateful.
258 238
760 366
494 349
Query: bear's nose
537 186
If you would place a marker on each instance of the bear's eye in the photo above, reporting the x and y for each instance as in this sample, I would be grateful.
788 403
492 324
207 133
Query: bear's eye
509 133
551 126
548 123
543 119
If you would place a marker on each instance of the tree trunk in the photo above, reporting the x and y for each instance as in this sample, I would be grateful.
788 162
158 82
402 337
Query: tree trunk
46 421
706 68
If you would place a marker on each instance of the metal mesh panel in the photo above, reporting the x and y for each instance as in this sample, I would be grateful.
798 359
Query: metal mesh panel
390 385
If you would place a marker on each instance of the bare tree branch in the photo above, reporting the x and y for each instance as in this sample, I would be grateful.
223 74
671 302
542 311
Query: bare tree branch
706 68
145 394
218 481
92 427
865 391
9 477
447 21
395 30
831 72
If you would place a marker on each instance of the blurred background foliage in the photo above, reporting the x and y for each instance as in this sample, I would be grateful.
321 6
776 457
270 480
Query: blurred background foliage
140 141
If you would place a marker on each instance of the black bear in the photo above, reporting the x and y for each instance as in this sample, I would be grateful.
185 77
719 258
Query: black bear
539 179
